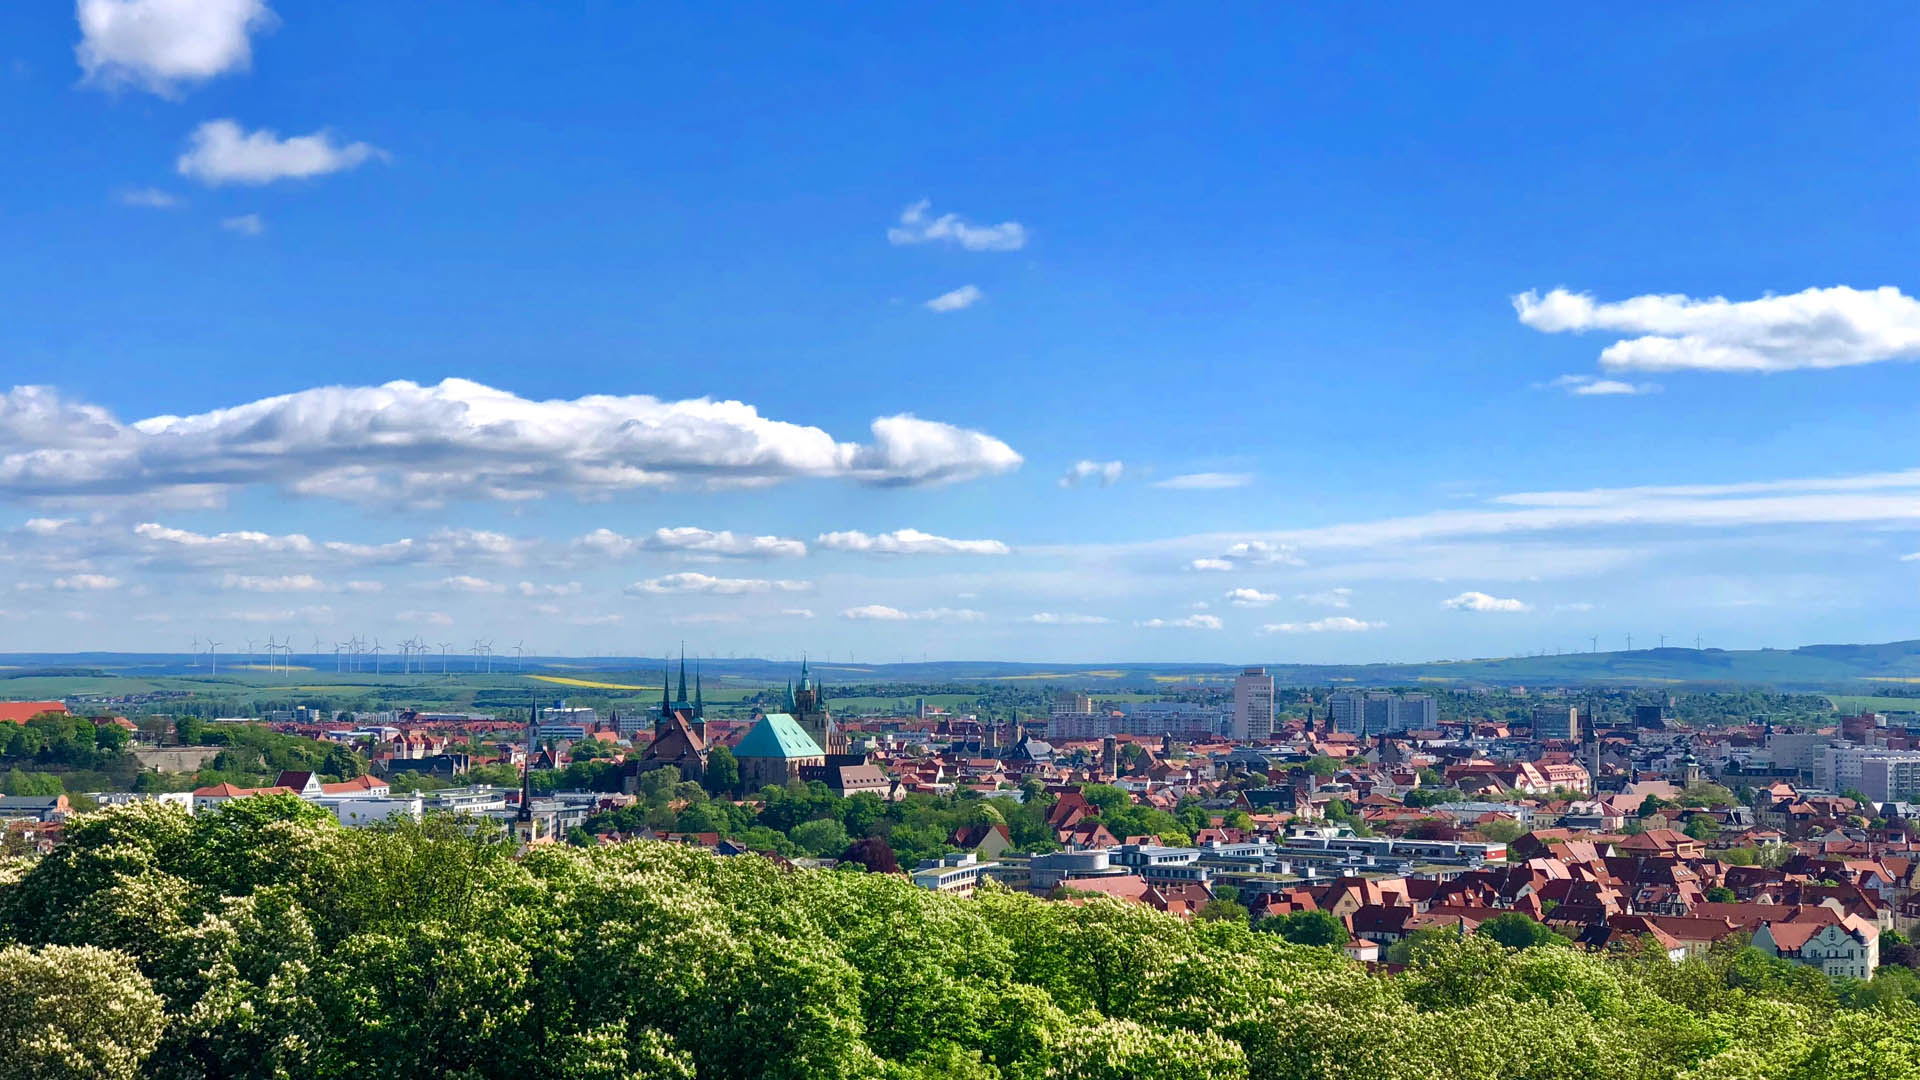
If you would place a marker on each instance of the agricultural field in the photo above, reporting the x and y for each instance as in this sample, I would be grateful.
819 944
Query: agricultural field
1854 704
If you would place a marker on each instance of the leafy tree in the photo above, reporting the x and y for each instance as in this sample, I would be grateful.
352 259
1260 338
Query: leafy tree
1516 931
722 776
1702 828
18 782
1720 894
1308 928
1219 910
1501 831
74 1012
820 838
872 853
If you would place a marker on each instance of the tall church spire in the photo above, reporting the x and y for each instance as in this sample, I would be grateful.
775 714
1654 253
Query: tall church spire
683 674
666 704
524 817
699 699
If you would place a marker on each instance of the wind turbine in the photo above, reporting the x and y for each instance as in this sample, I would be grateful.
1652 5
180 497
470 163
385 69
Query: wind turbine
249 652
376 650
519 654
196 652
444 646
213 656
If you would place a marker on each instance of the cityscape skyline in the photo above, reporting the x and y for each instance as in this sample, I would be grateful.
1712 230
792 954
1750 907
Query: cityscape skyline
1450 341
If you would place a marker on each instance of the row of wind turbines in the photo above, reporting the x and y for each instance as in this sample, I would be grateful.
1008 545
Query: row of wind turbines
356 654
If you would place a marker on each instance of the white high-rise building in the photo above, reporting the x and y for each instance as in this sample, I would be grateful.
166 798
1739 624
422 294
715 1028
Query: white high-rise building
1253 705
1377 712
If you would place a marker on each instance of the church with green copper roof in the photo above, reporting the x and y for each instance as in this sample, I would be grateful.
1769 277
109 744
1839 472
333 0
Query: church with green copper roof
775 751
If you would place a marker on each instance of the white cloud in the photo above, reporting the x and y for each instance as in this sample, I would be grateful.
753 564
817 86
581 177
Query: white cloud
909 542
469 583
1249 553
698 541
1064 618
1887 497
1913 557
270 583
959 299
565 588
916 227
1103 473
609 619
797 612
421 445
1577 605
1814 328
1333 598
46 526
86 583
220 152
1595 386
691 582
244 224
160 45
365 587
1333 624
883 613
1205 481
151 198
1479 601
425 618
1190 622
1245 597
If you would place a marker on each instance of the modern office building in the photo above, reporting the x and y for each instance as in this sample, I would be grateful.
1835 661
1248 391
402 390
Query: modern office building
1379 712
1560 723
1880 775
1252 705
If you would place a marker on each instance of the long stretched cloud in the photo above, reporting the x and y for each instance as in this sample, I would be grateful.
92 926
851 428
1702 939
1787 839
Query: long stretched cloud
458 439
1814 328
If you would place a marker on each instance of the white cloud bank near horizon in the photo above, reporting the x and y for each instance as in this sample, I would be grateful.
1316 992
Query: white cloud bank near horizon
456 439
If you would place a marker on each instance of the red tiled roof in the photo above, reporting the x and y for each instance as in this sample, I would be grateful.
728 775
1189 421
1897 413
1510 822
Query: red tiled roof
19 712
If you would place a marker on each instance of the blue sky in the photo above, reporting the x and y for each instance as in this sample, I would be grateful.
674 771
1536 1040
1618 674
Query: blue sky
1265 259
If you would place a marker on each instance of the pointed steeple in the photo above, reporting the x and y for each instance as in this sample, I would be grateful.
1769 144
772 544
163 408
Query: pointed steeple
791 705
683 674
525 814
699 699
666 705
803 673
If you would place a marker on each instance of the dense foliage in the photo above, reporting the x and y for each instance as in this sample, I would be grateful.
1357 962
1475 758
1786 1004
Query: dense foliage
264 940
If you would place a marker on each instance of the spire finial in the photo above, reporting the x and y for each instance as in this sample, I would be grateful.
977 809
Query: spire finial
683 673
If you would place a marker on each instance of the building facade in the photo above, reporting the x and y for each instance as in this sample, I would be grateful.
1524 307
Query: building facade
1252 705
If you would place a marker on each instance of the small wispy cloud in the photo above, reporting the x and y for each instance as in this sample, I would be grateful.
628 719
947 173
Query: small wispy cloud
1205 481
1333 598
916 226
220 152
908 542
151 198
1595 386
692 582
1479 601
1249 553
1103 473
1065 618
958 300
1334 624
883 613
1189 622
1245 597
244 224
